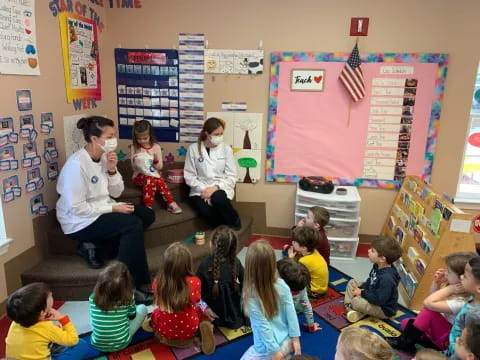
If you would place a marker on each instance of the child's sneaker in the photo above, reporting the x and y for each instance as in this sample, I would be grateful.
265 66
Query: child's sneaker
174 208
206 337
354 316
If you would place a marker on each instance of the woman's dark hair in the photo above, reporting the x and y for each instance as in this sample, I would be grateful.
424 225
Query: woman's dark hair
140 127
114 287
93 126
209 126
224 243
25 305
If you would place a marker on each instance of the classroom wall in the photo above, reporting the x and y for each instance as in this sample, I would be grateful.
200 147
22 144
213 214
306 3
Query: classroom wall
306 25
48 94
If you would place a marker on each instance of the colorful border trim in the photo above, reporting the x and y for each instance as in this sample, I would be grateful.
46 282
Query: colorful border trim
277 57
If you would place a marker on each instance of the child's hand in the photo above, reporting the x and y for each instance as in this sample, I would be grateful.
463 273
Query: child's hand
313 328
357 292
54 315
277 356
458 288
291 252
296 346
301 222
209 312
440 276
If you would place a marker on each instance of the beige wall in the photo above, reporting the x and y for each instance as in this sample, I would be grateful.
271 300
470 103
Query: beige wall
306 25
48 94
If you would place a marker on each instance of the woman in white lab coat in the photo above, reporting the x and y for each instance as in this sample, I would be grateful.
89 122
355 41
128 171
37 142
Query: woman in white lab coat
211 173
87 213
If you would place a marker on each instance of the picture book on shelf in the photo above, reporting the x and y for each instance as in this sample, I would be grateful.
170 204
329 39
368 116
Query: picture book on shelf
412 254
410 284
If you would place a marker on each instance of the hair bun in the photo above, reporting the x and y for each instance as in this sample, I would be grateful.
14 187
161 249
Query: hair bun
82 123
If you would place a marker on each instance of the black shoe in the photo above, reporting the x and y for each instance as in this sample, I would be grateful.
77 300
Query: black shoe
406 342
143 297
89 252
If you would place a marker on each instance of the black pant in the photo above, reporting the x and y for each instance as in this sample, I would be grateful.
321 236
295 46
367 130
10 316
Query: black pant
128 229
221 212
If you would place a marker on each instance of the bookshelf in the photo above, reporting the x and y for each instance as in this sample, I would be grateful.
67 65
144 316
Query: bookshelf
428 227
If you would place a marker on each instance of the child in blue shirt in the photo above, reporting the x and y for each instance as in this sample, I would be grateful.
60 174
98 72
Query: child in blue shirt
268 302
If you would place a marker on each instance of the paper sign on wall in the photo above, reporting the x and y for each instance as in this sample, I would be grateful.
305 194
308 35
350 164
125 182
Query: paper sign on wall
18 35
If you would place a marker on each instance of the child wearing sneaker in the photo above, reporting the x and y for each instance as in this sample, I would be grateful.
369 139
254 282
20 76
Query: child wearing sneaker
297 278
147 163
378 295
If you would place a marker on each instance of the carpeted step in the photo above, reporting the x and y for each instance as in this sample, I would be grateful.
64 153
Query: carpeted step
71 279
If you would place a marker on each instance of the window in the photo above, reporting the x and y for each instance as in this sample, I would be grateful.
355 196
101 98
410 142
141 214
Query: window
468 189
4 241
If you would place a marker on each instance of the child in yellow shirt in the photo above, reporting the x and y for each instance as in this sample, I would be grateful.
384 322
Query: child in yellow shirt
33 334
305 241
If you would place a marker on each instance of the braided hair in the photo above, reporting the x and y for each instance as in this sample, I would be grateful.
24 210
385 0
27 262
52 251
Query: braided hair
224 245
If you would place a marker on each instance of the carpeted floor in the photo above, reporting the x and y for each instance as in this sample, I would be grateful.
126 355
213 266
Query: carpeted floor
329 312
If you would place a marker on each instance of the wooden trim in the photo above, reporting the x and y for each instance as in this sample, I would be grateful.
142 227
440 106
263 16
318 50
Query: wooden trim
3 308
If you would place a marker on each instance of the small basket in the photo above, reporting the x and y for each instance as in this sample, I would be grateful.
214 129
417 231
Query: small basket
175 176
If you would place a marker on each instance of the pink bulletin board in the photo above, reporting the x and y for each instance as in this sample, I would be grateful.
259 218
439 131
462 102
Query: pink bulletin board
325 134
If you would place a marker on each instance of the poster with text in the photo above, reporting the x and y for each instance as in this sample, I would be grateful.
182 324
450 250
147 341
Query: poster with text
18 43
81 59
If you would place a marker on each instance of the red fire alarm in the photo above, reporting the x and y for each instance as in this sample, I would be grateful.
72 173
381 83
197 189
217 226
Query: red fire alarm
359 27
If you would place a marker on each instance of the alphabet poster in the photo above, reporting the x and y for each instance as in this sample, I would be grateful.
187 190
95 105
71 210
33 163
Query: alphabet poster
375 142
19 52
81 60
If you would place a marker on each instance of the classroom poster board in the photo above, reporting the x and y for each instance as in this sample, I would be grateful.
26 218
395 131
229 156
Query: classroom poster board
19 52
147 89
374 142
81 60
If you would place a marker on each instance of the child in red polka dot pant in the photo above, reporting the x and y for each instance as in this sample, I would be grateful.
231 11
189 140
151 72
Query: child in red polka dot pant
178 317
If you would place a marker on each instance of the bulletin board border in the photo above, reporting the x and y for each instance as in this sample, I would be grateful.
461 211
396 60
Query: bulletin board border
278 57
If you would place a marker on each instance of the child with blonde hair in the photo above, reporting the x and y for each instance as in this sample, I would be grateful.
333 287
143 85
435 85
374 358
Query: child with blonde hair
113 314
355 343
221 274
147 164
268 302
429 354
177 294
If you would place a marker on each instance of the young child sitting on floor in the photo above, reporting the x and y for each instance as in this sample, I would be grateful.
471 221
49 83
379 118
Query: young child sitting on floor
317 218
471 310
467 346
355 343
33 334
297 278
113 314
305 242
177 294
378 295
429 354
435 320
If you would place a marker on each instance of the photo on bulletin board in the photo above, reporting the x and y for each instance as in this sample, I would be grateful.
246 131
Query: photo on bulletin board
24 100
81 60
389 133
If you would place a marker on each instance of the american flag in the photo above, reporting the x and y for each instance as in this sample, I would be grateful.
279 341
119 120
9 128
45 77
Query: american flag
351 76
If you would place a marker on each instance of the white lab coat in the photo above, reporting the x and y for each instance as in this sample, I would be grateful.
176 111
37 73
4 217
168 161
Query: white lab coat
85 191
218 168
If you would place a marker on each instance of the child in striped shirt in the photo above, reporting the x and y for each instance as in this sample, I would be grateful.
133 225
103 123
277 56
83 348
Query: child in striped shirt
113 314
297 277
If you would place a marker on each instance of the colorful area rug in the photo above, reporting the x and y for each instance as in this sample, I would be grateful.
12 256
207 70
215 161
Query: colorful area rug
329 313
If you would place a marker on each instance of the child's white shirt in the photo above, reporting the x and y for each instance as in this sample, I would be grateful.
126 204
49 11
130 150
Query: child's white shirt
143 161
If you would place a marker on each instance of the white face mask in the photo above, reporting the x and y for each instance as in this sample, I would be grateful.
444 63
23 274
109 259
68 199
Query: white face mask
216 140
110 145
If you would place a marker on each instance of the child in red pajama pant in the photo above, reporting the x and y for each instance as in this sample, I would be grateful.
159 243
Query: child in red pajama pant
147 163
